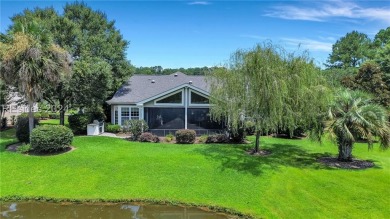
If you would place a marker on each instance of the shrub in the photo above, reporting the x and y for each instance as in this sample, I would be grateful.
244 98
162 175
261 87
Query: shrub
135 127
49 138
37 115
54 115
218 138
78 123
22 129
148 137
237 136
169 137
97 113
44 115
112 128
3 122
250 128
13 120
185 136
202 138
24 148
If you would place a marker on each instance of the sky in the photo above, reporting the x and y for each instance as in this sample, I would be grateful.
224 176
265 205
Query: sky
180 33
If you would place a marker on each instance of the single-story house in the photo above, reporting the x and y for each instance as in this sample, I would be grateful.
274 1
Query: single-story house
166 102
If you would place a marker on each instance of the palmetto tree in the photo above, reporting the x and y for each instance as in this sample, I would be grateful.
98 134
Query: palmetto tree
31 61
352 117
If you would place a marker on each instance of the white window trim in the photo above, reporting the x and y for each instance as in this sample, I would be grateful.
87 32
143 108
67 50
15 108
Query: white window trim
170 104
197 104
140 112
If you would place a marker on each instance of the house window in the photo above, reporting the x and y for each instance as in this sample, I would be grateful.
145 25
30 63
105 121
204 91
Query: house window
198 99
125 114
172 99
134 113
116 115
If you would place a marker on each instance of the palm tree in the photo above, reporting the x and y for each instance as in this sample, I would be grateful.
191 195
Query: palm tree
30 61
353 117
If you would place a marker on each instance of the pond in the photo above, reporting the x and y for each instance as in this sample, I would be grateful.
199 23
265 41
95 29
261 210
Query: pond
44 210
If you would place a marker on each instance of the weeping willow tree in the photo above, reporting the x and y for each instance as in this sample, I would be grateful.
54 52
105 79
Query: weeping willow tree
272 88
30 61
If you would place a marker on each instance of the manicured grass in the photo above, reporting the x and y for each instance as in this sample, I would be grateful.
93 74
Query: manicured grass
287 184
53 122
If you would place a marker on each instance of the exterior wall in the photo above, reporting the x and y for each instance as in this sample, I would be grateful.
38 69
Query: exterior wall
147 107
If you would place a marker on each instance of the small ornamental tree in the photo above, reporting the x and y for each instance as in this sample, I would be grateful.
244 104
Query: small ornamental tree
353 116
271 88
135 127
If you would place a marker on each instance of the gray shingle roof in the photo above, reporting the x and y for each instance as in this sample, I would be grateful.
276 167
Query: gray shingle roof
140 87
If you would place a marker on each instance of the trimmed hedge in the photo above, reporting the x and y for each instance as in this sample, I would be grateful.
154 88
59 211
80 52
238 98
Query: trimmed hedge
148 137
185 136
112 128
22 128
219 138
49 138
78 123
44 115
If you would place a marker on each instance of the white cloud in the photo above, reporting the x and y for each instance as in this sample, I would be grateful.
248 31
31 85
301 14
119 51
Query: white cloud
309 44
199 3
332 9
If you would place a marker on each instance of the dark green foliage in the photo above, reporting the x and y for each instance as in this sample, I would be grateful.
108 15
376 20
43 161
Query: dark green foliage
54 115
78 123
44 115
13 120
237 136
37 115
135 127
217 138
22 128
3 122
97 113
112 128
350 50
185 136
50 138
250 127
148 137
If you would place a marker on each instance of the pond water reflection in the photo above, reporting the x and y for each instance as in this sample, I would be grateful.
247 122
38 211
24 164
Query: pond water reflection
43 210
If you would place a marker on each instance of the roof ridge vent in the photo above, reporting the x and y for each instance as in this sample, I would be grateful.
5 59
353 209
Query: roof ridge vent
153 81
175 75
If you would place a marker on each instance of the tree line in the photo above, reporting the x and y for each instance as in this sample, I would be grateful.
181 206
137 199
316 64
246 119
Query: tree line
158 70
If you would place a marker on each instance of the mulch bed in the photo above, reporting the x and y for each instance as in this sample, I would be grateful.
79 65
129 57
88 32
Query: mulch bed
261 153
354 164
14 148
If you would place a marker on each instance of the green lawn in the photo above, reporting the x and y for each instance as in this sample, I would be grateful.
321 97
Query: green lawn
287 184
53 122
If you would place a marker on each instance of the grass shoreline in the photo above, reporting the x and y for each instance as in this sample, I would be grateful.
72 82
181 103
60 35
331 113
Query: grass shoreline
212 208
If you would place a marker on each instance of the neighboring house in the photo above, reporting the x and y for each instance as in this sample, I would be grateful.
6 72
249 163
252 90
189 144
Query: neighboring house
166 102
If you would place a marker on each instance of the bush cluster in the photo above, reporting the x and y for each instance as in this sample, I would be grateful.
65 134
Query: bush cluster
250 128
217 138
148 137
44 115
49 138
185 136
22 128
78 123
54 115
169 137
135 127
112 128
3 122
